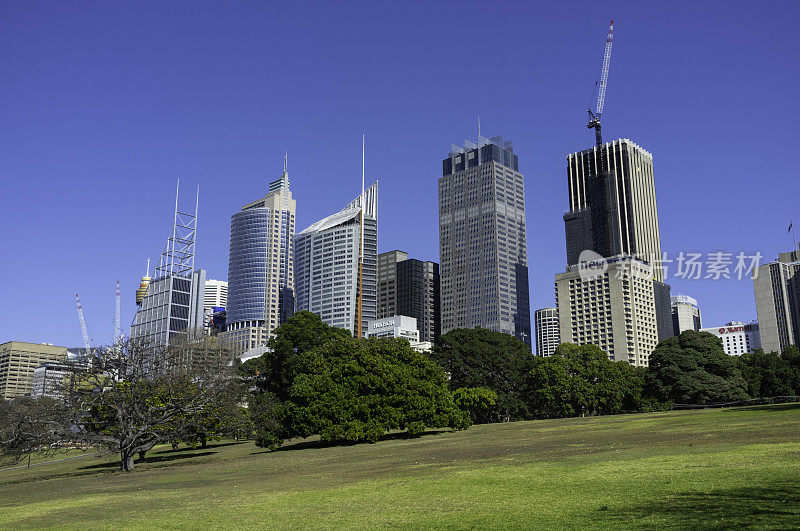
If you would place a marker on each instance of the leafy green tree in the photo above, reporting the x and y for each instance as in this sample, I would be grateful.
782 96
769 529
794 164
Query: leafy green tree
767 374
692 368
477 401
274 372
581 380
355 390
481 358
791 355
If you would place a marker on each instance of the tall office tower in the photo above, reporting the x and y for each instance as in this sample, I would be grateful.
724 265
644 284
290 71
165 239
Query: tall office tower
170 304
18 360
329 280
613 212
685 314
410 287
418 289
777 291
261 267
387 282
548 335
612 306
482 239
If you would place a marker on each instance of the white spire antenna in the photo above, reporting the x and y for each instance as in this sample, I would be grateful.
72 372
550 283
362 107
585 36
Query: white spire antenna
285 160
479 128
148 267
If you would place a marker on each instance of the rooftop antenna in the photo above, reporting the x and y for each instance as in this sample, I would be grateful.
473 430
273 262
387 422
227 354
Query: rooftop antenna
285 160
479 128
360 249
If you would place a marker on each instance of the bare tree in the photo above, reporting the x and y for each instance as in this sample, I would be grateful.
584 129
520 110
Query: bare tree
135 396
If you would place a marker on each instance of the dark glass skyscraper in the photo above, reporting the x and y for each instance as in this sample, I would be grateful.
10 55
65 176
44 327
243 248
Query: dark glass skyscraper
483 240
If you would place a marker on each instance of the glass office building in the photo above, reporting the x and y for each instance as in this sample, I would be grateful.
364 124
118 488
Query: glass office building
260 267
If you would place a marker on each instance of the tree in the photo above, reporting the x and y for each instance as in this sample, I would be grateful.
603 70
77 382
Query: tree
767 374
482 358
274 372
581 380
693 368
477 401
354 390
134 396
29 425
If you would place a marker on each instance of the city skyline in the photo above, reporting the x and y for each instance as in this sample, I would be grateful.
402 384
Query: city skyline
98 129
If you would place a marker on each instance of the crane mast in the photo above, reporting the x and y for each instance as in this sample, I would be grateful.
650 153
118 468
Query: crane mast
83 327
594 117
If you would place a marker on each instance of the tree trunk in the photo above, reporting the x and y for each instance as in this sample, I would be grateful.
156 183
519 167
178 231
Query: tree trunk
126 461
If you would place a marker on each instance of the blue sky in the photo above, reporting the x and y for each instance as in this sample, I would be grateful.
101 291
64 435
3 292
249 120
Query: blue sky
104 105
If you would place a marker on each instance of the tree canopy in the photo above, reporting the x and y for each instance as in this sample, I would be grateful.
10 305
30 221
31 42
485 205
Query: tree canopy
318 380
481 358
693 368
581 380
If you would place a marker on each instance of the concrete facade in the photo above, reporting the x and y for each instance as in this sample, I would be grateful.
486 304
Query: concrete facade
19 360
613 308
685 314
483 240
396 326
548 334
777 292
737 337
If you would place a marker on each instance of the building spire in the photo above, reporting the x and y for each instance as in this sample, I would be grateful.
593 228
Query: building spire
285 160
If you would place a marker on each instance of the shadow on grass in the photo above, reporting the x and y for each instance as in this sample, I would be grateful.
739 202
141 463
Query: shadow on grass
306 444
150 460
189 449
768 407
775 506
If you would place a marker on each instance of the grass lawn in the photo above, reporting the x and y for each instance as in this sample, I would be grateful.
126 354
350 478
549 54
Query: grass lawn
712 469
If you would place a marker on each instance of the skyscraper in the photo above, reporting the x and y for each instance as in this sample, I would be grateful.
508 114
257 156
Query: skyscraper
330 281
613 212
548 335
261 266
410 287
777 291
170 305
387 282
482 239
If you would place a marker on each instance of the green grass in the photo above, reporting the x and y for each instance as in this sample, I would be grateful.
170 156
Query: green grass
711 469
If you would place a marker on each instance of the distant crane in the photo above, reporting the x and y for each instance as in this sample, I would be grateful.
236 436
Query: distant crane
116 318
594 117
83 327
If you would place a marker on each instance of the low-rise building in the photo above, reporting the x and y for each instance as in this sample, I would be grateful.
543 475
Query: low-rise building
737 337
398 326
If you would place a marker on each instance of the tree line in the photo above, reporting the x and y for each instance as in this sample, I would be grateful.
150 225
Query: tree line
318 380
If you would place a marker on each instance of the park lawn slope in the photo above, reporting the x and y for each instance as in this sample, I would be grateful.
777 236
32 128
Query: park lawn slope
713 468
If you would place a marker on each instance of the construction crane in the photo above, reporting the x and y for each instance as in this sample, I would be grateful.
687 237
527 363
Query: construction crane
83 327
116 317
594 117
